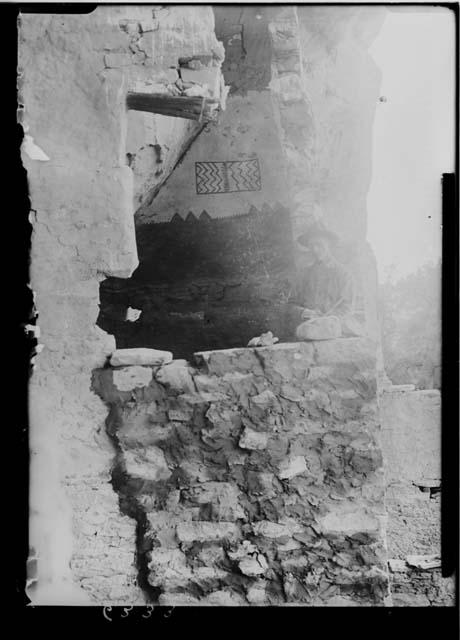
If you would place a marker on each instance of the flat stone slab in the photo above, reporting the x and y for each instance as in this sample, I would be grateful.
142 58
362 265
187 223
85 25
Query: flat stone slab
176 375
149 464
198 531
397 566
140 356
275 530
255 440
292 466
424 562
254 566
344 522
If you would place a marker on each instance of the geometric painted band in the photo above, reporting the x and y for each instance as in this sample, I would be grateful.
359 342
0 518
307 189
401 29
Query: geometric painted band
227 177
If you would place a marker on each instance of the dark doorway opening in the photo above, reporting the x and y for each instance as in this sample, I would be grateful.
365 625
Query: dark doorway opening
205 283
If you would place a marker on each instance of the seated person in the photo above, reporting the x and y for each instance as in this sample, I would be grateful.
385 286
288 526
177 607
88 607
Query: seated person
324 287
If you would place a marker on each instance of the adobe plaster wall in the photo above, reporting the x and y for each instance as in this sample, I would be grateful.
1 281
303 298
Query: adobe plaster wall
74 73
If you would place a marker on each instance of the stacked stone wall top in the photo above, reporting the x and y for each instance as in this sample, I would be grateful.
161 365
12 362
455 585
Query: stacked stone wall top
259 473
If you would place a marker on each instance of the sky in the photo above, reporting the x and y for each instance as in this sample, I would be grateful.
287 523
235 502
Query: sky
414 136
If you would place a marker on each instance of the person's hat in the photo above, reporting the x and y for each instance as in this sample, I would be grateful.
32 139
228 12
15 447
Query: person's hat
306 238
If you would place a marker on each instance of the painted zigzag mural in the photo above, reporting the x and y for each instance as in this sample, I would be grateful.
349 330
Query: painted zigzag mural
227 177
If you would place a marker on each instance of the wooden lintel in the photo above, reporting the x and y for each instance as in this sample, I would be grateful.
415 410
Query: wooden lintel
191 107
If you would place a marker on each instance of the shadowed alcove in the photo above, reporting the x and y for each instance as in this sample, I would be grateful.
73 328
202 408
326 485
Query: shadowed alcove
204 283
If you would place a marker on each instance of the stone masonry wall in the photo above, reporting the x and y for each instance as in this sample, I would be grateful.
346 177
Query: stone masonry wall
411 441
256 474
74 72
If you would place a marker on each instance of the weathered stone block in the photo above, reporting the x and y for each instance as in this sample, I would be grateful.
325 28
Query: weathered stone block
178 415
286 362
222 496
222 418
264 399
126 379
275 530
207 384
290 545
176 376
261 484
225 360
397 565
206 531
254 440
224 598
194 471
140 356
292 466
211 554
168 568
347 521
432 561
297 564
208 577
162 526
147 464
410 600
256 593
253 566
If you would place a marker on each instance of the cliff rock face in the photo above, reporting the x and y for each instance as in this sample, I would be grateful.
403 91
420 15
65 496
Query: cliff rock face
257 474
74 73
